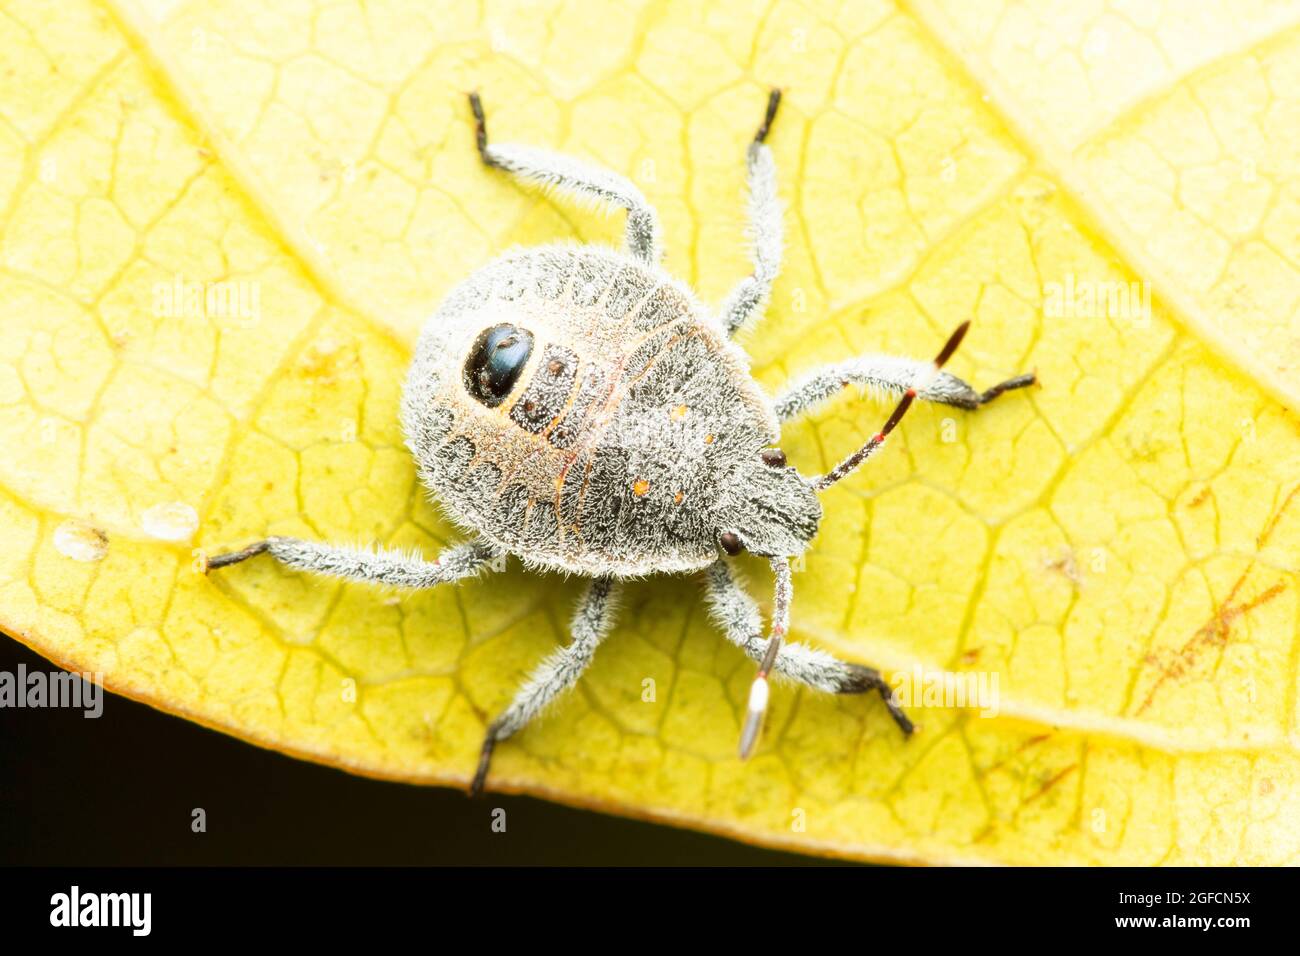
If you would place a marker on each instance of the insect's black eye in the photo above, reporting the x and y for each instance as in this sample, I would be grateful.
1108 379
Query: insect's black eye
498 356
730 542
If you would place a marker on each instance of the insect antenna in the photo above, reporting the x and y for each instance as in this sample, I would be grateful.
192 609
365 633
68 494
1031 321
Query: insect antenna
758 691
847 466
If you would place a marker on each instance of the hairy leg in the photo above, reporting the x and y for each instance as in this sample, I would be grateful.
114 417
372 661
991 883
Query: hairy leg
375 566
585 180
887 375
560 671
737 614
749 298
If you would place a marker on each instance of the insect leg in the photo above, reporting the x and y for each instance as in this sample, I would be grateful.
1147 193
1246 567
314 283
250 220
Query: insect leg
553 676
361 564
750 297
737 614
587 181
885 375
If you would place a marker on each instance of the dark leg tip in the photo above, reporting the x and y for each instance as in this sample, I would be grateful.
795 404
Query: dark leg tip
1019 381
234 557
900 716
773 101
862 679
484 761
480 125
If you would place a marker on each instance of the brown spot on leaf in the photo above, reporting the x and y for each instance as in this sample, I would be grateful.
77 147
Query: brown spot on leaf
1213 633
1067 567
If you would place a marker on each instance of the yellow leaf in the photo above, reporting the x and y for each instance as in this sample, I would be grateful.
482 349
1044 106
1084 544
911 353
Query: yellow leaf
1110 196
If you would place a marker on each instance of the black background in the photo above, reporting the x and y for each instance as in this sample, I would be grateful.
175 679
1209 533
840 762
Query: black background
120 789
118 792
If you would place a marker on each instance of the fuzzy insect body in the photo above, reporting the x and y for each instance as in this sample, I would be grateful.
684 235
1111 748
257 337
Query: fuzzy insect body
578 408
629 429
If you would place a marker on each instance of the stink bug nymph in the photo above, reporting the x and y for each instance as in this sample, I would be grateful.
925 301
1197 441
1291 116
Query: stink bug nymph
578 408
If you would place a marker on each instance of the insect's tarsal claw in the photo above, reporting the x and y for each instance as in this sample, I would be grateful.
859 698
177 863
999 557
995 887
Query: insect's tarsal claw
480 125
1024 380
896 711
475 788
213 562
773 101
